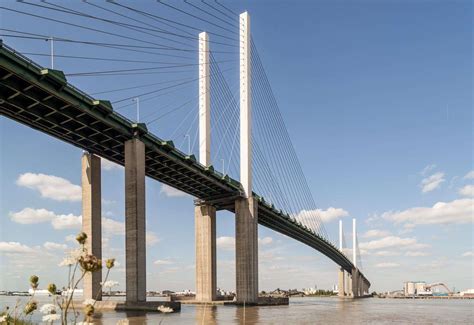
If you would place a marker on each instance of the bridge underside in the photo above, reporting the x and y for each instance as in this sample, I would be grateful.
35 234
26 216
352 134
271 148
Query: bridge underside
43 100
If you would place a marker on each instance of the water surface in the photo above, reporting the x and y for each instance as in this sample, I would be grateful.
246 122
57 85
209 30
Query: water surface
302 311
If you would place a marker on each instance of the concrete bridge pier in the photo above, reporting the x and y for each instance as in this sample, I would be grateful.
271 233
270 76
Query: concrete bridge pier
355 283
348 284
135 232
341 284
205 241
246 254
91 220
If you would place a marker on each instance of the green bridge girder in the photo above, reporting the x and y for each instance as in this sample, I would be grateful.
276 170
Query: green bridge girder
43 100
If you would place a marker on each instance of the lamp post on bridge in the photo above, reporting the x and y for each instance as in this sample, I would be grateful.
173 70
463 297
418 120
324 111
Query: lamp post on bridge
137 100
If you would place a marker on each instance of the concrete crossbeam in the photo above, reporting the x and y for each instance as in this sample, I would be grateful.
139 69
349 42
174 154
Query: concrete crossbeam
135 232
205 241
91 220
246 254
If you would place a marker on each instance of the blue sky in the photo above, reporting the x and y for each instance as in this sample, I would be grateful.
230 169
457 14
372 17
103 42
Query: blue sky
377 97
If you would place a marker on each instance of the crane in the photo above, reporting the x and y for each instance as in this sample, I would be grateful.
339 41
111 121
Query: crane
438 284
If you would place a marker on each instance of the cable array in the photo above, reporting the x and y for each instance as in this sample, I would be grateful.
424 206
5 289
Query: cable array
146 59
290 188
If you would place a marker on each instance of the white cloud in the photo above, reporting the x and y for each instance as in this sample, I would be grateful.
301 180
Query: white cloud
67 221
15 248
468 254
307 216
467 190
151 238
113 227
51 187
416 253
70 238
108 165
387 265
54 246
469 175
225 243
171 191
375 233
427 169
387 253
391 242
163 262
265 240
32 216
432 182
457 211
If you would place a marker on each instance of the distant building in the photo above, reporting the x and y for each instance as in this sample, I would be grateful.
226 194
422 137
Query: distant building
467 293
412 288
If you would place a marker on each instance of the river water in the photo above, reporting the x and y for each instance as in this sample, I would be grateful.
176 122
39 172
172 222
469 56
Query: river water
302 311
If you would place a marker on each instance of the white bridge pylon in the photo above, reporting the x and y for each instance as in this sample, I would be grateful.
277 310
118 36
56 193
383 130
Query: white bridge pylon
246 208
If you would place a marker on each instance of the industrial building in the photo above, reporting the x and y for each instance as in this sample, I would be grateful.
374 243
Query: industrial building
420 288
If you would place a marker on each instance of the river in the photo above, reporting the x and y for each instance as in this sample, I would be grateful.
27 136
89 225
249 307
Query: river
302 311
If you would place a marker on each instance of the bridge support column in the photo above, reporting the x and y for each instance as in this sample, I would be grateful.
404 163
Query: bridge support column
91 220
205 237
341 287
349 285
135 233
355 283
246 254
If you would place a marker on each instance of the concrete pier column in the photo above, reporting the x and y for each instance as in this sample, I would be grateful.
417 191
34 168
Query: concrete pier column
91 220
341 285
355 283
205 237
350 293
346 284
246 254
135 233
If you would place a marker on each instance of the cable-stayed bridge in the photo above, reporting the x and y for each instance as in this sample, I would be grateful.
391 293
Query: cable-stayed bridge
264 184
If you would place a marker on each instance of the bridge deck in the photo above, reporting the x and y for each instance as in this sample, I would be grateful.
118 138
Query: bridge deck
43 99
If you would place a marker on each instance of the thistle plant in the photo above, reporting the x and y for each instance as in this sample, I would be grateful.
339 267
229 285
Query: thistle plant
79 263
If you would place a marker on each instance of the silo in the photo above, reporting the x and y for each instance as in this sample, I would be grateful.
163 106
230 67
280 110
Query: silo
420 287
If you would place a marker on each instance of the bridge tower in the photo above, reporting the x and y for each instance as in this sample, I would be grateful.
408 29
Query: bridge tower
341 282
246 208
205 214
355 270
